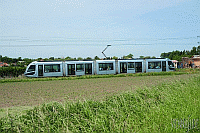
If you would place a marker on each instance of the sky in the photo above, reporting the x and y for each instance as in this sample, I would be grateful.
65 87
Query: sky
82 28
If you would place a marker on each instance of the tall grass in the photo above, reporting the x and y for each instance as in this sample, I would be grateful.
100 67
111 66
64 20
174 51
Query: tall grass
144 110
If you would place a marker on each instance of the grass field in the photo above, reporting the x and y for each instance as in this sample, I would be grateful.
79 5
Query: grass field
38 92
115 104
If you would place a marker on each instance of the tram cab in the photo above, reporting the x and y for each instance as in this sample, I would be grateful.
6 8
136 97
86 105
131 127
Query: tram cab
159 65
31 70
44 69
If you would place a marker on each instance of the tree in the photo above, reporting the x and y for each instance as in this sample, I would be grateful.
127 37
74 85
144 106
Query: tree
114 57
96 58
45 59
39 59
183 52
141 57
6 59
79 58
14 60
68 58
177 55
153 57
19 59
198 50
88 58
124 57
51 58
194 51
27 61
147 57
171 56
187 52
165 55
130 56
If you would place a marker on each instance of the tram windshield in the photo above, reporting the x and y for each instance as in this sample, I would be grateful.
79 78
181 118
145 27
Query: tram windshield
170 64
31 68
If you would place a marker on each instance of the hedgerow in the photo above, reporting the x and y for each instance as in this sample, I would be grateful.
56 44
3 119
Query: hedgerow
11 71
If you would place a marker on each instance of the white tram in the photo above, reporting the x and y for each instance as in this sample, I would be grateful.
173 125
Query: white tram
70 68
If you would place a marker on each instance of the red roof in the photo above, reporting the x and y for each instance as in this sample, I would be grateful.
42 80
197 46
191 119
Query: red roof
174 61
4 64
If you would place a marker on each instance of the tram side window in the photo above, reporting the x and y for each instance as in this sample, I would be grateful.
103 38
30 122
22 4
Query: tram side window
110 67
79 67
154 65
131 66
31 68
52 68
105 66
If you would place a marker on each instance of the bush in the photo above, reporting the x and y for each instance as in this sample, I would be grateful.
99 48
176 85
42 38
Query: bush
11 71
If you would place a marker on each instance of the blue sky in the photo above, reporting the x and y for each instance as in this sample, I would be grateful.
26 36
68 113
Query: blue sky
133 20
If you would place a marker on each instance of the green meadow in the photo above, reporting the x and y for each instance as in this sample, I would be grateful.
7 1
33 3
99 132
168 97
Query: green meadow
147 102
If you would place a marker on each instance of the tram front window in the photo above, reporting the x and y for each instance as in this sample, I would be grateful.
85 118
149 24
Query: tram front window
170 64
31 68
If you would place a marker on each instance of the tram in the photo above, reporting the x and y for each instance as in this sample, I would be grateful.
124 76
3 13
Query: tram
98 67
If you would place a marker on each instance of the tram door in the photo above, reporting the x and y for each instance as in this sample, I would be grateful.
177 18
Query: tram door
138 67
123 67
40 70
88 68
163 65
71 69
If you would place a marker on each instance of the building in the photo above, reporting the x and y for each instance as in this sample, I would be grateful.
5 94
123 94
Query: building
196 60
3 64
175 63
193 62
21 61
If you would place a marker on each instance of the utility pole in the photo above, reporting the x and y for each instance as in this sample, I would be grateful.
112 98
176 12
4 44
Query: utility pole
105 49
